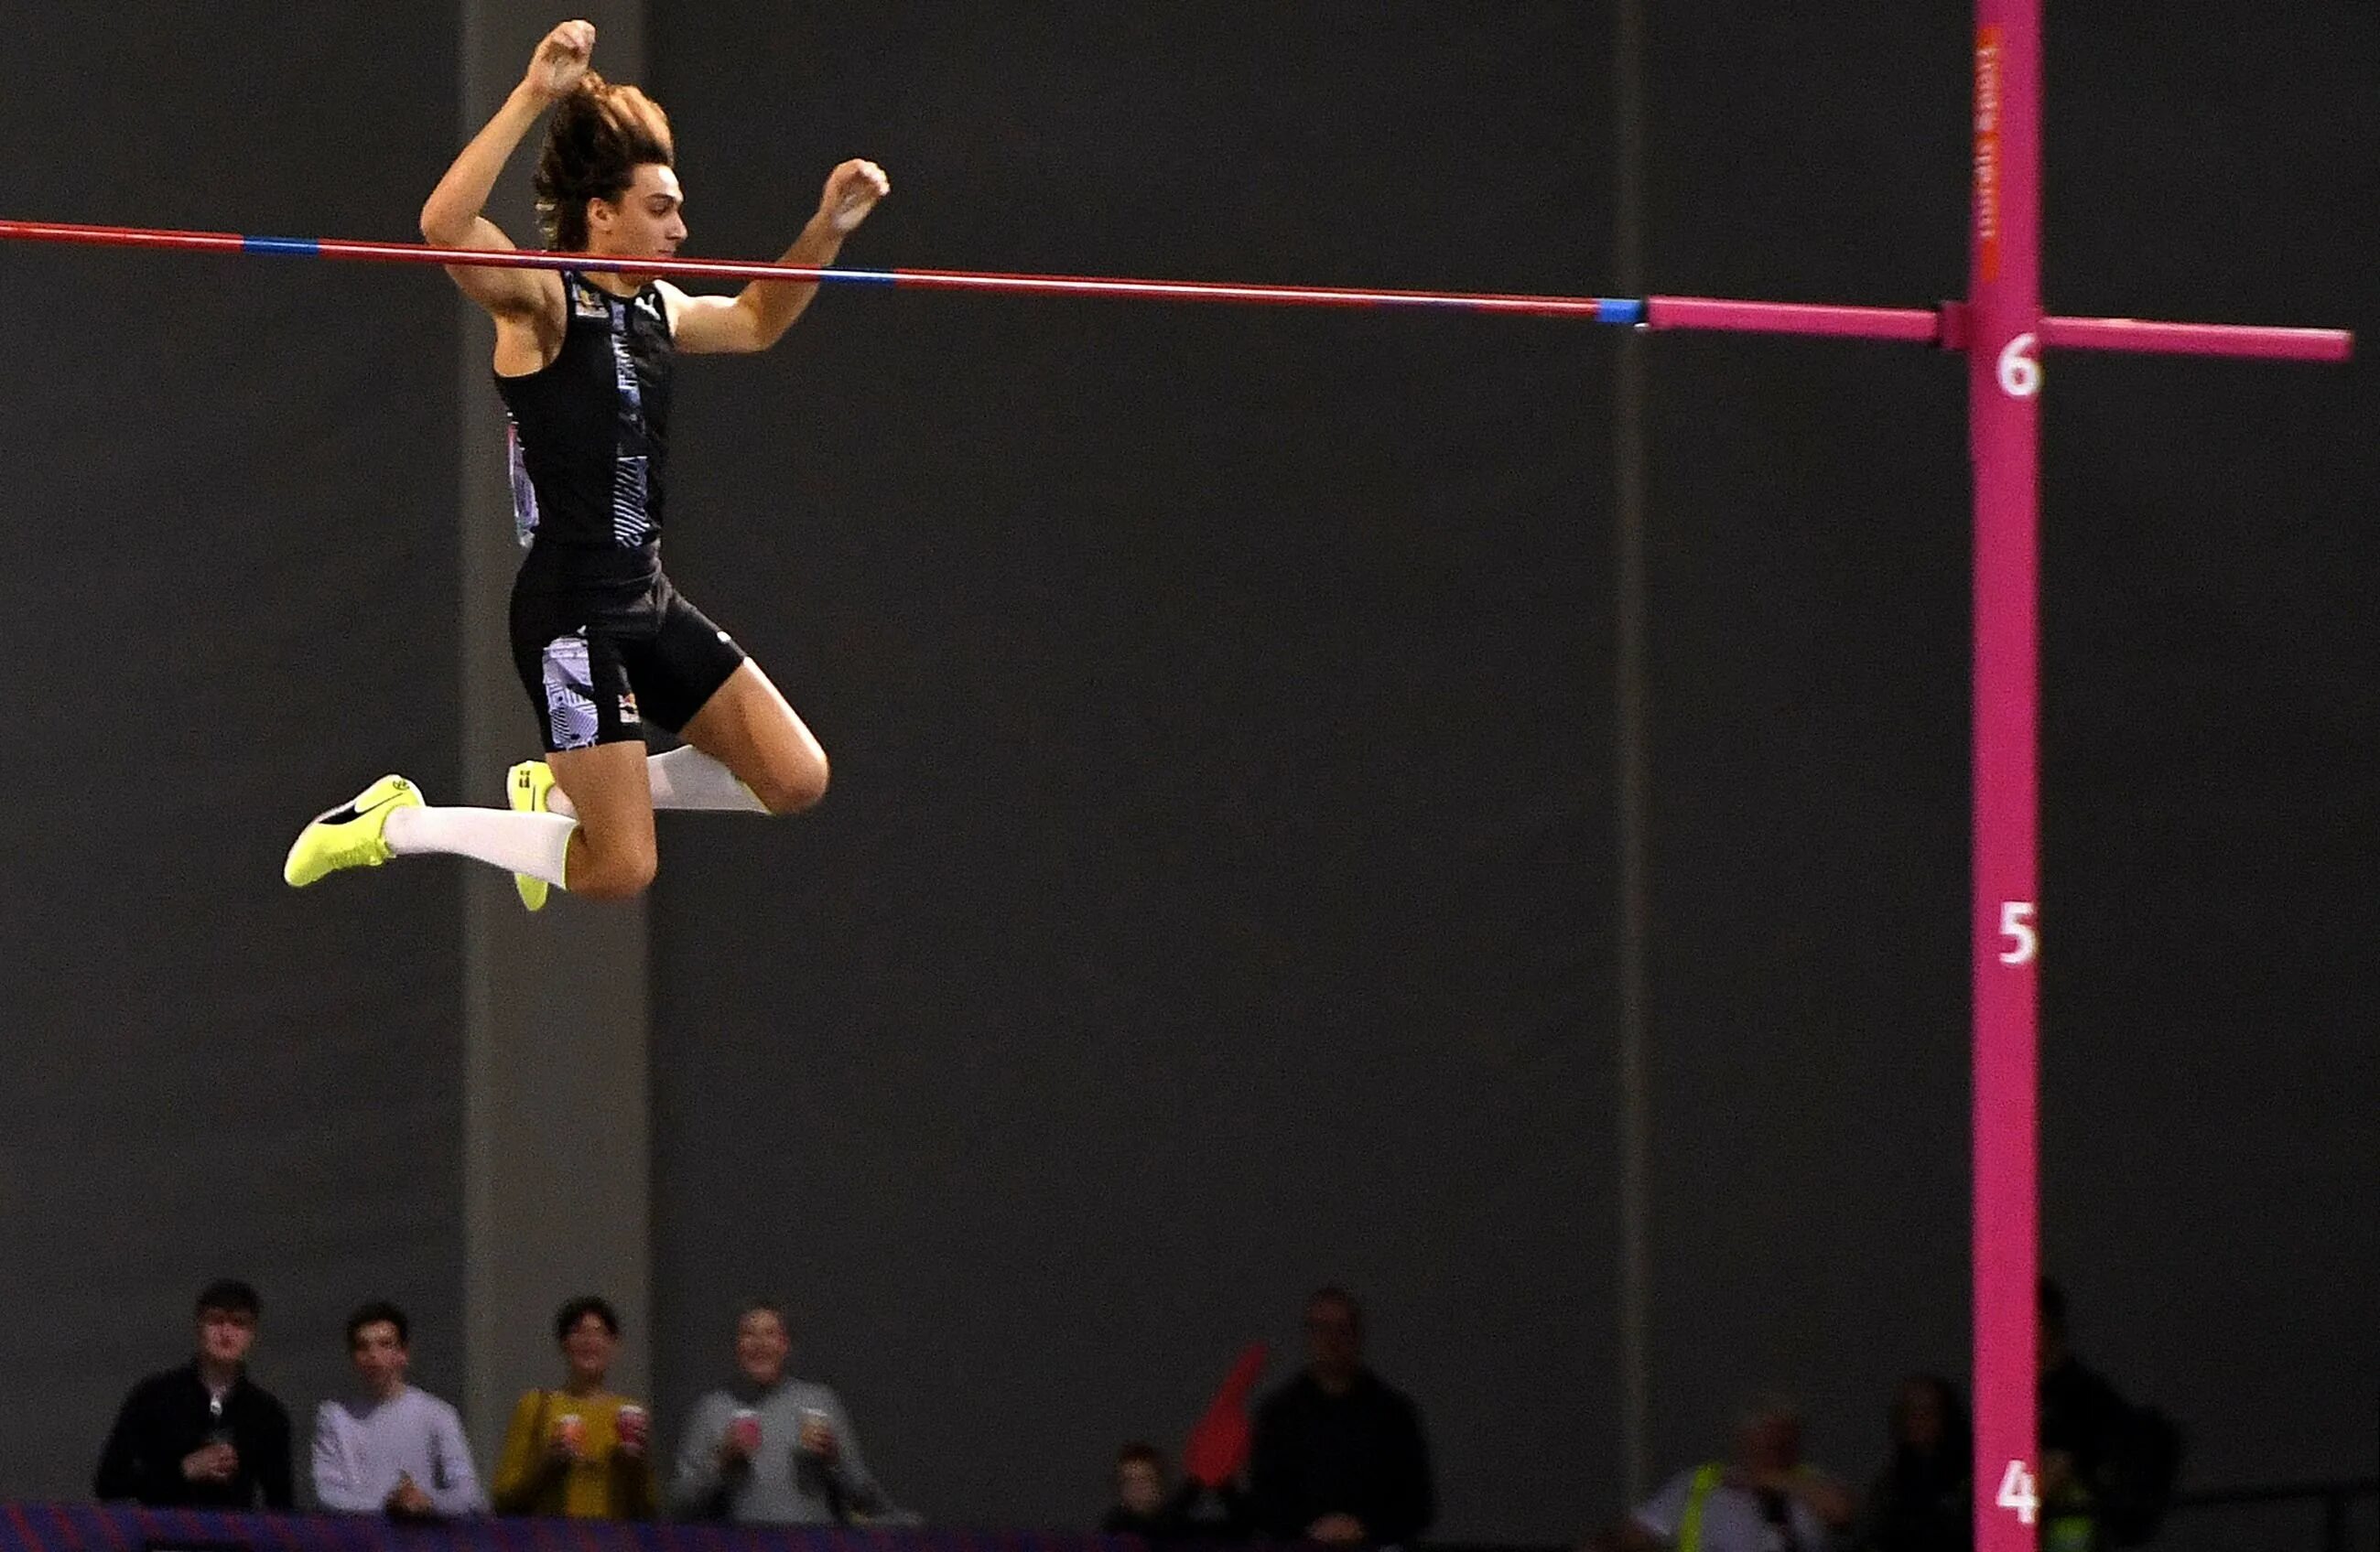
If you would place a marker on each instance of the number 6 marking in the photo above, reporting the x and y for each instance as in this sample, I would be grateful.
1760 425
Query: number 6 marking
2016 926
2020 372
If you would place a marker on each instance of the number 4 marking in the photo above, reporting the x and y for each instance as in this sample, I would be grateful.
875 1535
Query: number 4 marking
2016 926
2017 1493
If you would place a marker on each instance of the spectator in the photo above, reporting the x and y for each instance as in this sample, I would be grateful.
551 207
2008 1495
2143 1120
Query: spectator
1338 1455
1765 1500
2107 1467
1923 1501
205 1435
768 1449
394 1448
580 1451
1145 1508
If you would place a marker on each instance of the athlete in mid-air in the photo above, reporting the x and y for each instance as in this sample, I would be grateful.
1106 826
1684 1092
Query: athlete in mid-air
604 645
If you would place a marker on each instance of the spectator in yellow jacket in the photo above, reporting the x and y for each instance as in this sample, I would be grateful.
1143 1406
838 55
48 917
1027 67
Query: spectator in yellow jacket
579 1452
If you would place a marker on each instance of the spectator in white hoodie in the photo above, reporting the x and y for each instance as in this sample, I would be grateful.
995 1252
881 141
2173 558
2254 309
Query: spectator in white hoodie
393 1449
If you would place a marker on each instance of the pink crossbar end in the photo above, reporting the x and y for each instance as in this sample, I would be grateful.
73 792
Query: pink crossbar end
2197 339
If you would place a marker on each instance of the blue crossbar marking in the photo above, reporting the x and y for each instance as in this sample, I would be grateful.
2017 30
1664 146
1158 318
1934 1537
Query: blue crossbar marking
1619 310
304 247
868 277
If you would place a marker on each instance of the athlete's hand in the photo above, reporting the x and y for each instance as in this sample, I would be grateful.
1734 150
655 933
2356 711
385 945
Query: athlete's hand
560 63
852 191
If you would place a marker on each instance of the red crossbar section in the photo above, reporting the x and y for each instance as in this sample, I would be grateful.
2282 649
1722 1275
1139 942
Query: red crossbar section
1586 308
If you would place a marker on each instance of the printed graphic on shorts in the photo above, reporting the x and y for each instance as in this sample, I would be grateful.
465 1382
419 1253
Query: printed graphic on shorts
570 716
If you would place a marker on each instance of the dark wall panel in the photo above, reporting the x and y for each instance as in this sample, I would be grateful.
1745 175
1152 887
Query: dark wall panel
2212 1134
1213 898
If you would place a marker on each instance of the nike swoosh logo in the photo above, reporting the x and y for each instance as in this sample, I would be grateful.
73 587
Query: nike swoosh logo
350 814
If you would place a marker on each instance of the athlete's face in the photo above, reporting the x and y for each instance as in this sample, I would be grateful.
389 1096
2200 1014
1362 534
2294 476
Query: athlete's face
648 218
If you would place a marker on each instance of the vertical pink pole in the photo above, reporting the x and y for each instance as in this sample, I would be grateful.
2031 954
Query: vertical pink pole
2004 382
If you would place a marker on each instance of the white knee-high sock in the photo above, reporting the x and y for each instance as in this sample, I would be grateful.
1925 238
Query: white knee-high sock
531 844
685 779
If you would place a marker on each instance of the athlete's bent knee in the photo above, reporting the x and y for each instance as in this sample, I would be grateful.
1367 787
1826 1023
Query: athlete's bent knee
617 882
790 792
620 873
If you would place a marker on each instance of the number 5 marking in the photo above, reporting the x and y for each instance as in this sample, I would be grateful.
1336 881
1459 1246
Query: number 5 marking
2024 940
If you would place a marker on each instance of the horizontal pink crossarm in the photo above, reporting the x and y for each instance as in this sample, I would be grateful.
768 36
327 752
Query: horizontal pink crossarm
1919 325
2196 339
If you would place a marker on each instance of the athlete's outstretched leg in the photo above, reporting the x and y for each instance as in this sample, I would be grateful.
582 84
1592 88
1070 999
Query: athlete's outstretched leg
747 727
606 852
388 819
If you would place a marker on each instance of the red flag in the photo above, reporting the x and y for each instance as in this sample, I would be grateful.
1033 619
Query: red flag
1218 1446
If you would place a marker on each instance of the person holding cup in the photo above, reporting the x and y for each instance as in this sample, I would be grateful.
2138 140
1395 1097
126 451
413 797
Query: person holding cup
769 1450
579 1452
204 1435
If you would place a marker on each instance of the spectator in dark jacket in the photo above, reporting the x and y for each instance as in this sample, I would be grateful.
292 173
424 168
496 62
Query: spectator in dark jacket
2094 1484
1338 1457
202 1436
2082 1417
1922 1502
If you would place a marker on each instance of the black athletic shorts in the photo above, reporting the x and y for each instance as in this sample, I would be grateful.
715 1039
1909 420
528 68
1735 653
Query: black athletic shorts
604 645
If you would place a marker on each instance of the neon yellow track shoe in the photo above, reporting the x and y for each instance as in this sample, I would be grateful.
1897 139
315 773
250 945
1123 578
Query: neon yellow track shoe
352 835
527 786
